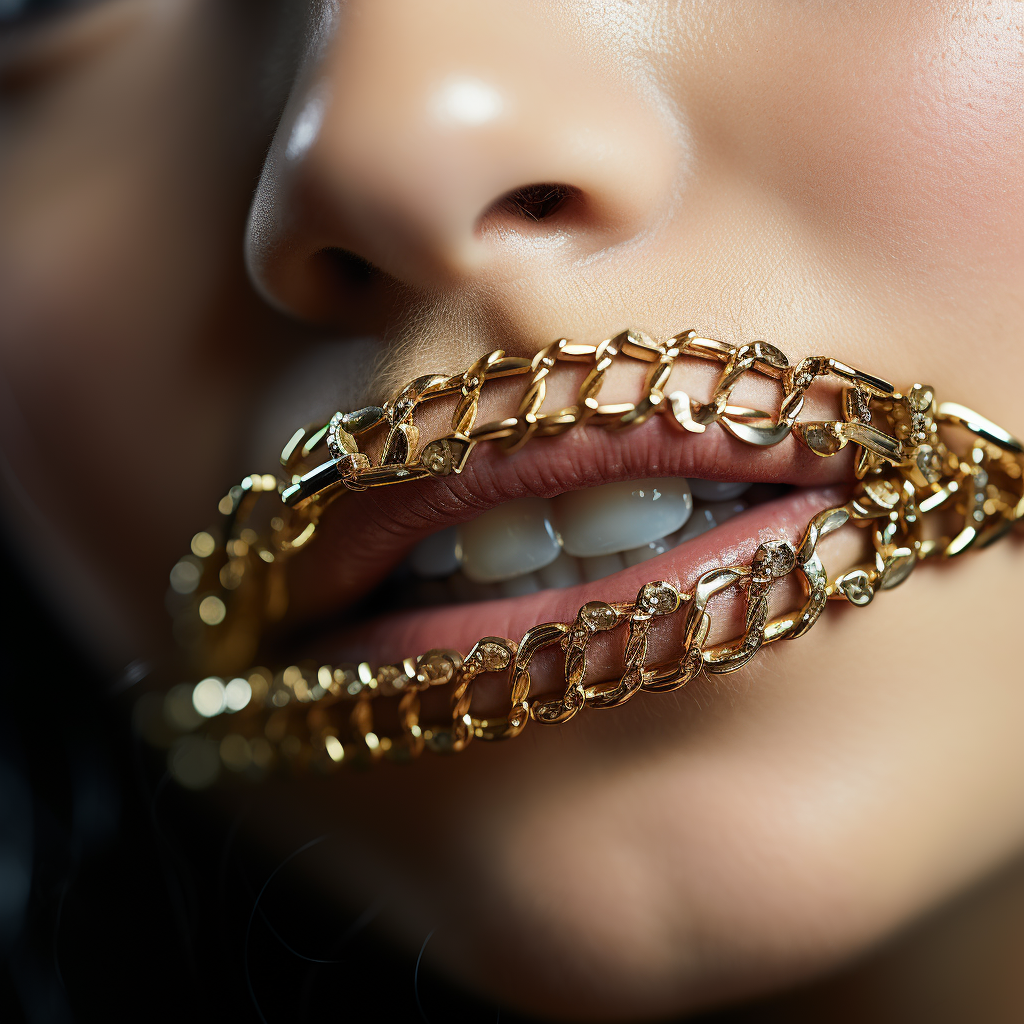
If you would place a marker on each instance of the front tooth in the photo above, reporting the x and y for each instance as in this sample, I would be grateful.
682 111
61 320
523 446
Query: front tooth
509 540
437 555
717 490
600 566
618 517
634 556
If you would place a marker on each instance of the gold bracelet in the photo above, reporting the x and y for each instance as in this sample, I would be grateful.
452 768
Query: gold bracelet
231 585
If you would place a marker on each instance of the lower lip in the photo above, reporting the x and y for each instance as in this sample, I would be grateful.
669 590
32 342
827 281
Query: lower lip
391 637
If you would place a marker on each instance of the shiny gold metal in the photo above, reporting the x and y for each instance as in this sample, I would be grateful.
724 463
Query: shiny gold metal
400 461
230 585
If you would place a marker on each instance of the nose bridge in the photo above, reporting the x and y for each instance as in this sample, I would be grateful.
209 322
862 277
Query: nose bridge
424 114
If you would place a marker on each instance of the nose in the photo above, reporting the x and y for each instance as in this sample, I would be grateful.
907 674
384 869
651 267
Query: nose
452 141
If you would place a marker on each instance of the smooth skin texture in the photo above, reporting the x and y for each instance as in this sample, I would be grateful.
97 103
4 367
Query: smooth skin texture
840 177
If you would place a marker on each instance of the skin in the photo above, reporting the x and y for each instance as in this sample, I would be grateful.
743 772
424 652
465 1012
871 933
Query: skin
831 177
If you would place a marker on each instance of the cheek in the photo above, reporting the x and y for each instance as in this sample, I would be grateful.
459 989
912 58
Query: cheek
930 165
899 139
129 344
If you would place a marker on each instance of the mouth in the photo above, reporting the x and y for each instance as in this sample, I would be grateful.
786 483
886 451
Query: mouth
531 561
527 538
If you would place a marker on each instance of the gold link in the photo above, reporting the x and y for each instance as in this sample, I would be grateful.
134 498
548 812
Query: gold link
753 426
593 617
655 599
952 412
492 654
514 722
772 561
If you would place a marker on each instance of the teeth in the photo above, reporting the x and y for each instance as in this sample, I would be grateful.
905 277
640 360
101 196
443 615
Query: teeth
564 571
621 516
520 585
700 522
464 589
717 490
722 511
600 566
634 556
534 544
509 540
436 555
707 515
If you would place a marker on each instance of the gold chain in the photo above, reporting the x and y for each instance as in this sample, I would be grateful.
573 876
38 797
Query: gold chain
909 484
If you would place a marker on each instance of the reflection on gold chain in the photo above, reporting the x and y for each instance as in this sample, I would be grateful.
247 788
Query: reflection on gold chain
231 585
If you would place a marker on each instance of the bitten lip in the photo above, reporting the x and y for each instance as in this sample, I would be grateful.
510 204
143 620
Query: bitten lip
364 535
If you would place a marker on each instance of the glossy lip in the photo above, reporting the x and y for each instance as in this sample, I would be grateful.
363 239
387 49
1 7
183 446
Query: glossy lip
390 637
364 535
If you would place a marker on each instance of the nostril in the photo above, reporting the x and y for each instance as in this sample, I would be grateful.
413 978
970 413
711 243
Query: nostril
336 280
346 268
353 269
534 202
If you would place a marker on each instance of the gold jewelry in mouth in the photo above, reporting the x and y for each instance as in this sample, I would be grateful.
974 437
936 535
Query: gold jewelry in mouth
908 483
443 456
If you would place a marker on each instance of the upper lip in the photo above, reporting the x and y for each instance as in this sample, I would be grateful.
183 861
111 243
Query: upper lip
363 535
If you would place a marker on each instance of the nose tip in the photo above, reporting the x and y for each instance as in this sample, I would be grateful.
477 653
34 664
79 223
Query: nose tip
412 171
423 179
437 139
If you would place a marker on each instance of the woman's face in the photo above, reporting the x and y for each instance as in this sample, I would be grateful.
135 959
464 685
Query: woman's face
220 220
